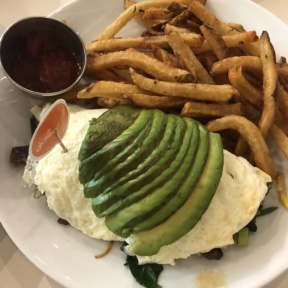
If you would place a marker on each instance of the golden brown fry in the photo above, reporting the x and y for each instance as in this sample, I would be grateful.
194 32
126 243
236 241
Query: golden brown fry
131 12
191 39
231 41
215 41
244 87
282 96
115 44
280 138
252 136
108 89
192 63
157 13
195 91
197 109
247 63
135 59
270 78
150 101
171 28
166 57
202 13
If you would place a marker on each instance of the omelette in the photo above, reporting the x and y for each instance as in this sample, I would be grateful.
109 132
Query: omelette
236 201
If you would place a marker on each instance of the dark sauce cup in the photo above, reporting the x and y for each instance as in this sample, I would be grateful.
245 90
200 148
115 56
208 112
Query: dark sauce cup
42 56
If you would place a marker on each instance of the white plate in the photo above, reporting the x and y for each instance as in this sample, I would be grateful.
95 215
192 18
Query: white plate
68 256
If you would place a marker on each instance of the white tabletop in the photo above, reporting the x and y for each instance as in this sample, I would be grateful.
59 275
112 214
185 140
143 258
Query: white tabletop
15 270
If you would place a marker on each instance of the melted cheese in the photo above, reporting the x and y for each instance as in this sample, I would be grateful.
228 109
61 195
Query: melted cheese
241 190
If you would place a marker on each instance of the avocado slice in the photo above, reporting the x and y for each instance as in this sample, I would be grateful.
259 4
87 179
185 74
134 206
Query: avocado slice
184 191
89 166
161 157
107 127
150 142
147 243
89 187
121 223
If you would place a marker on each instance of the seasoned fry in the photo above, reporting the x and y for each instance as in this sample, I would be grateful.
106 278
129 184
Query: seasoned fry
155 13
270 78
192 39
282 96
108 89
192 63
280 138
247 62
201 12
215 41
149 101
115 44
135 59
166 57
195 91
252 136
197 109
233 40
131 12
244 87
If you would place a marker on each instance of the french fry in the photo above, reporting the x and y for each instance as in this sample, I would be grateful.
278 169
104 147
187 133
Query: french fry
247 62
115 44
192 63
282 96
244 87
198 109
231 41
108 89
135 59
270 78
252 136
215 41
280 138
201 12
167 57
155 13
151 101
195 91
131 12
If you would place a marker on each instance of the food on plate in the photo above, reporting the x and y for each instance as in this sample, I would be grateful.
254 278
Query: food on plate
57 175
158 179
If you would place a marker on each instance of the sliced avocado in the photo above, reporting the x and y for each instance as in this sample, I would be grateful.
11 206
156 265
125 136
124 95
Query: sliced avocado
150 142
184 191
107 127
122 222
89 166
147 243
151 167
142 152
89 188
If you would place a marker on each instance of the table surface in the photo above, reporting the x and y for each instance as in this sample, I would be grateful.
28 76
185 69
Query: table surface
15 269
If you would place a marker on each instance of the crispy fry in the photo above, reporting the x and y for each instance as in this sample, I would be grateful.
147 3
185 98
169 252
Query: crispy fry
215 41
131 12
133 58
201 12
157 13
195 91
247 62
192 39
282 96
280 138
197 109
166 57
192 63
244 87
108 89
270 78
231 41
115 44
252 136
150 101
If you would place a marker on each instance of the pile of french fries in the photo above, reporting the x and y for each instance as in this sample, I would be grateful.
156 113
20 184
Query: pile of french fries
187 61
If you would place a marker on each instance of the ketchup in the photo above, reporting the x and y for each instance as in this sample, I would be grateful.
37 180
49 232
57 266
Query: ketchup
44 64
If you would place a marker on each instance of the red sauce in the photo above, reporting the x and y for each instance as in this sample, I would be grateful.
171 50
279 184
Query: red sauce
44 64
